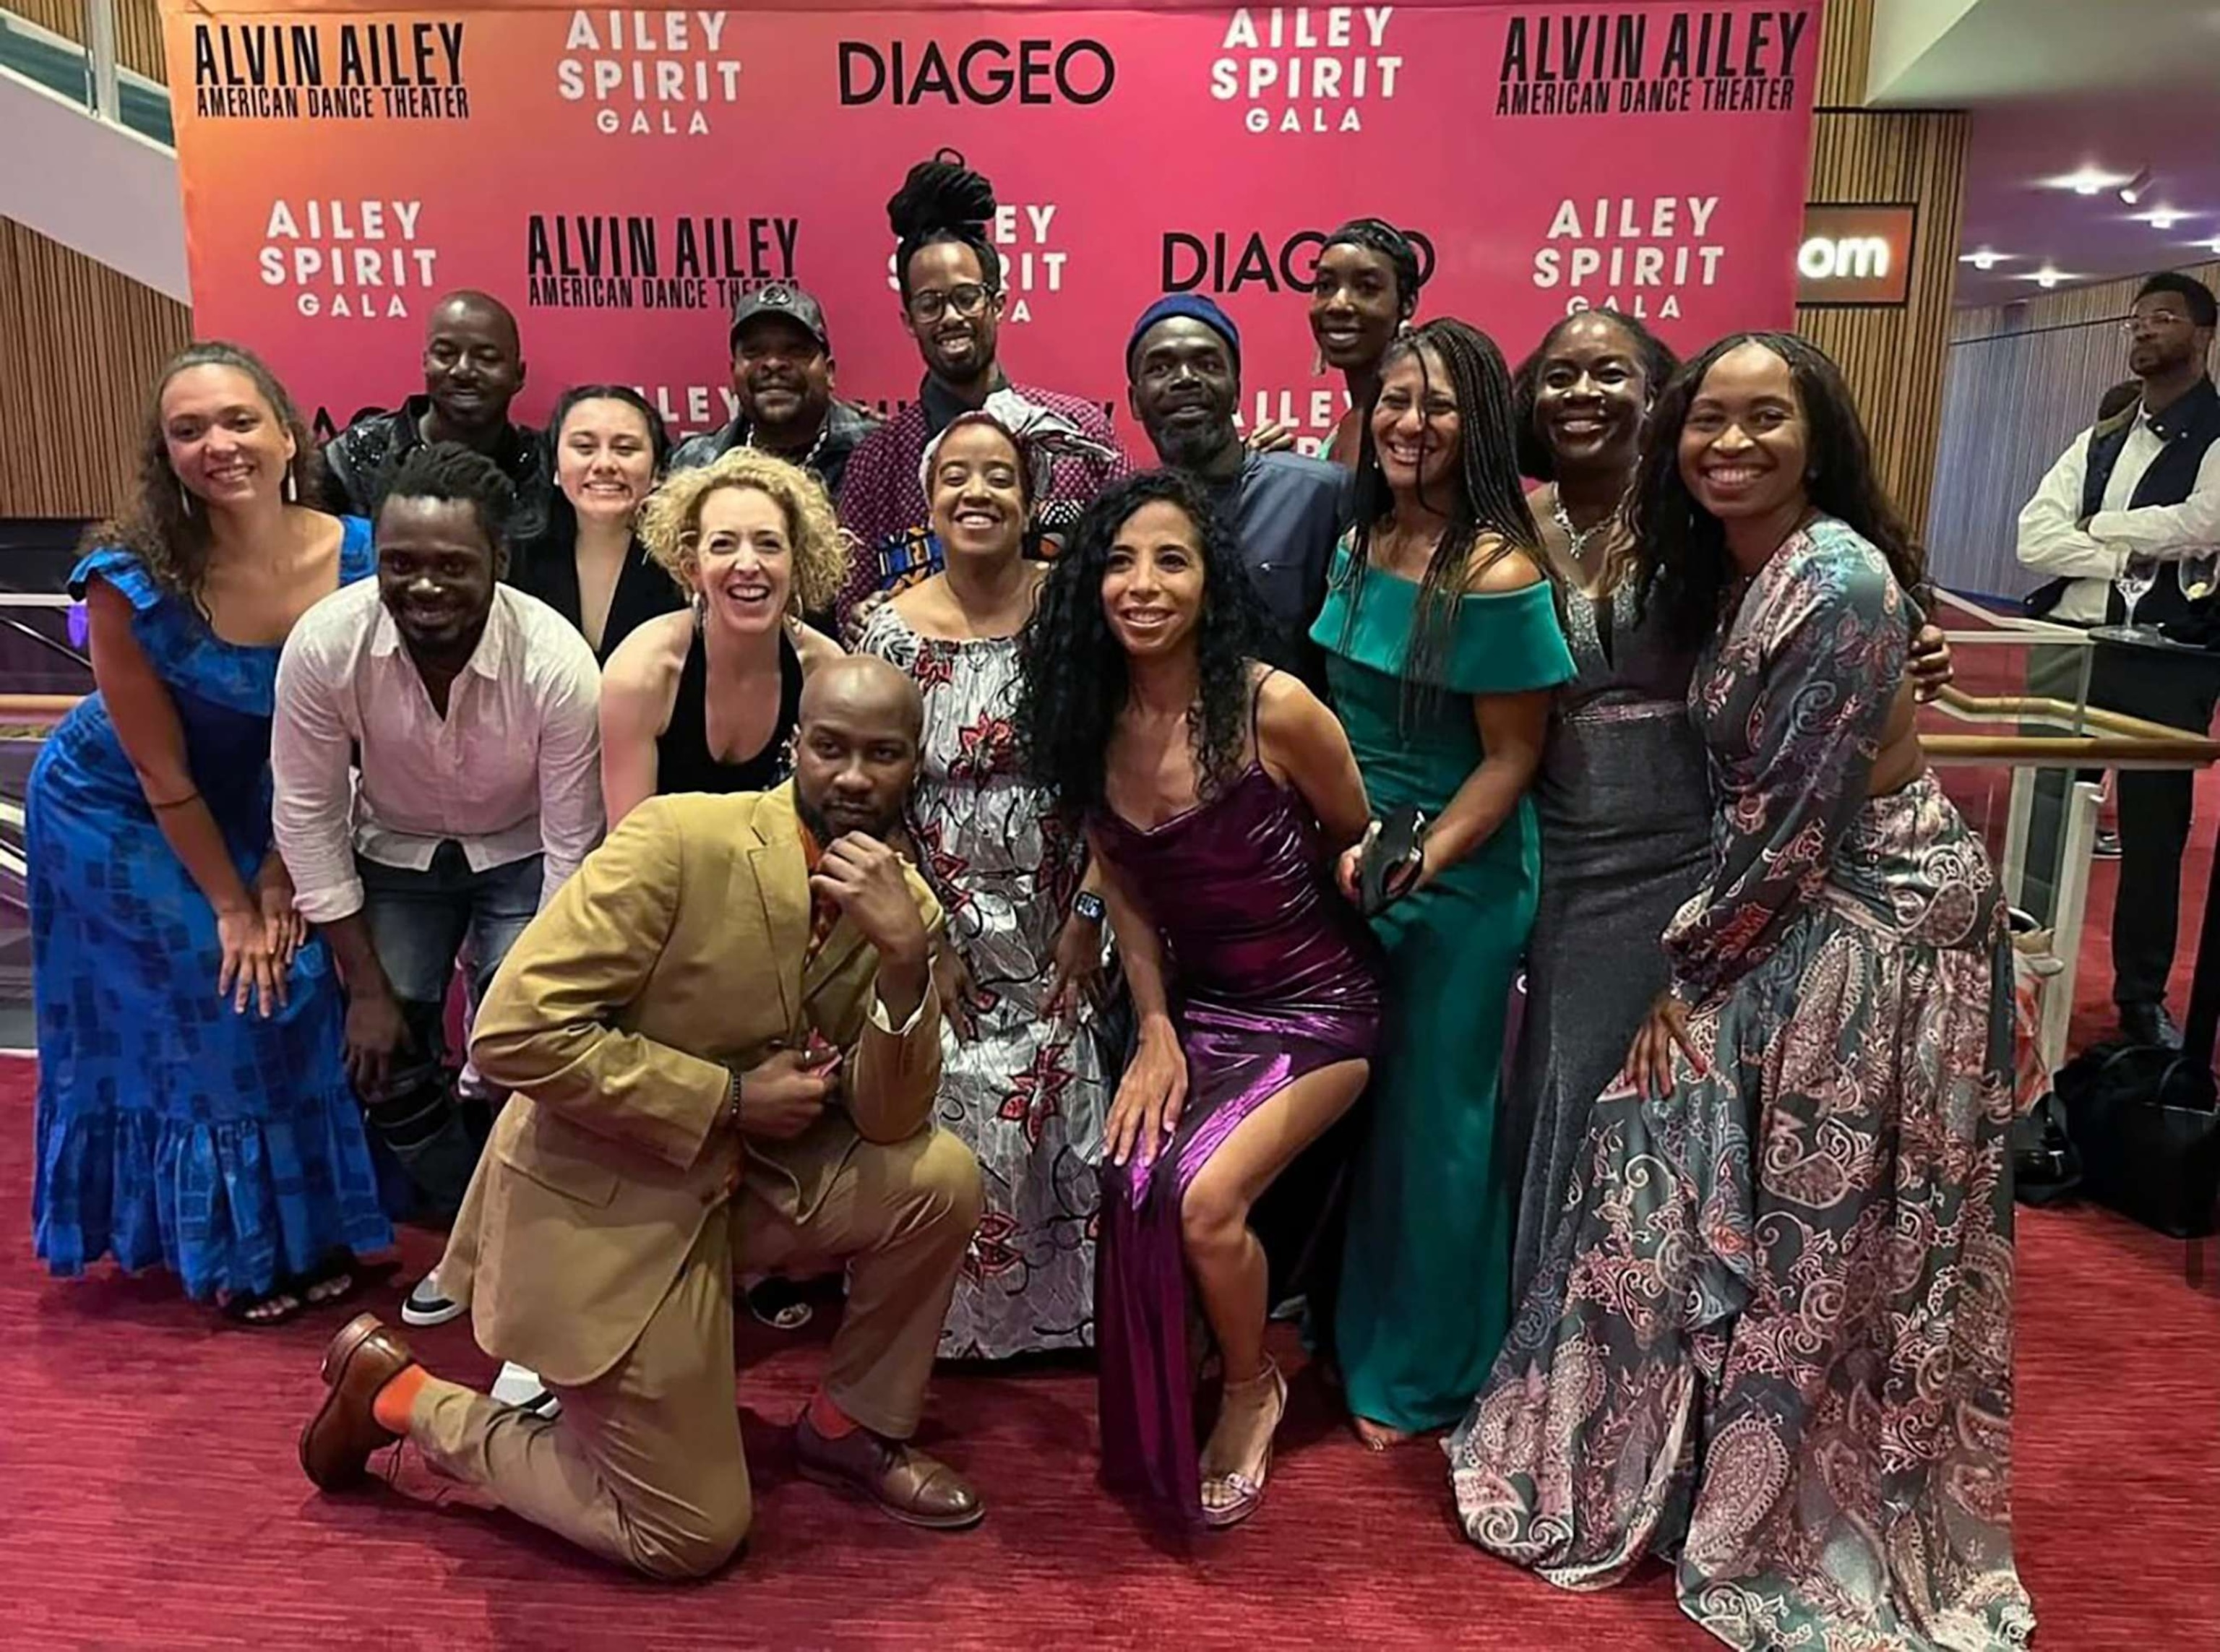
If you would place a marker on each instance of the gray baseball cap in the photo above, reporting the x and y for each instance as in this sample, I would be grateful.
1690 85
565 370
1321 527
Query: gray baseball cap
783 298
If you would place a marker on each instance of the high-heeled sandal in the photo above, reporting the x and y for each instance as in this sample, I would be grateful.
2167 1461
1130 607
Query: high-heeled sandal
1248 1493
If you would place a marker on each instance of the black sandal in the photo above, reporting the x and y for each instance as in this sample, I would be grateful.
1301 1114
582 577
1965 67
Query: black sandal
247 1308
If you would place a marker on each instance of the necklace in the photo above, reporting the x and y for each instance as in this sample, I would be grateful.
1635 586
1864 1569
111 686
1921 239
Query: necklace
1576 538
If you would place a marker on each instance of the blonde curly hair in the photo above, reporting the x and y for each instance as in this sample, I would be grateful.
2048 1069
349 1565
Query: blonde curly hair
672 523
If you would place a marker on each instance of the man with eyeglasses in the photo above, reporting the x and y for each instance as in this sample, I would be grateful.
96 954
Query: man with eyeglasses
951 281
2137 493
782 374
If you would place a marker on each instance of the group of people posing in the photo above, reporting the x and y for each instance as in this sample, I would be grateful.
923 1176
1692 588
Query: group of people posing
1082 907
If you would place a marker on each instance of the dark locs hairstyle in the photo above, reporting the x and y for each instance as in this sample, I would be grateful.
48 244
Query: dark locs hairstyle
560 529
448 470
944 200
1484 499
1073 681
1650 353
1680 559
1378 235
159 526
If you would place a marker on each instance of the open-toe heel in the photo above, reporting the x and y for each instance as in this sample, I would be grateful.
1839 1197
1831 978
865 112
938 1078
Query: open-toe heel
1247 1493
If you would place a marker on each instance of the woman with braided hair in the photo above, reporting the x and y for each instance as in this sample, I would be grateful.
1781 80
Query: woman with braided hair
950 279
1364 289
1442 648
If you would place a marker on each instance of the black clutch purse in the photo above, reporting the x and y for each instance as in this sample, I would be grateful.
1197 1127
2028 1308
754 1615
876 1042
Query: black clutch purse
1390 862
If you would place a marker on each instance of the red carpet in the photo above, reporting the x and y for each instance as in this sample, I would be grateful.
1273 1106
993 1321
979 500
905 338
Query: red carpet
149 1497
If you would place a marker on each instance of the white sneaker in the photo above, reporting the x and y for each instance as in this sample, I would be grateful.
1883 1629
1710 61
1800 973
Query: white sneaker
523 1389
425 1305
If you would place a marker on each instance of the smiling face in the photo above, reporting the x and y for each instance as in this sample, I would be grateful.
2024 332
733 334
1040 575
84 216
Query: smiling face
1590 396
435 571
781 374
742 556
605 459
473 367
978 493
1745 443
1153 580
1416 423
1183 390
228 447
952 313
1355 306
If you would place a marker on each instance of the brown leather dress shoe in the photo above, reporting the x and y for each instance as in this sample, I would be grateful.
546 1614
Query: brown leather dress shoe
336 1444
915 1488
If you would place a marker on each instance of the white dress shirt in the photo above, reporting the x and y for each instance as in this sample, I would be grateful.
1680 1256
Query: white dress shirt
2051 540
513 769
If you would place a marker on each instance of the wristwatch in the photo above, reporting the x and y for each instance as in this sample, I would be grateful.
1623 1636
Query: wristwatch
1089 905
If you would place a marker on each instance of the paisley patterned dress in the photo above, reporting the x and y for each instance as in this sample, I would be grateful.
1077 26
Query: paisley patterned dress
1026 1092
1771 1339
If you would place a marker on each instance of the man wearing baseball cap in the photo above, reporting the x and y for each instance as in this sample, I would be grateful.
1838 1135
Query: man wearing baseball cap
782 378
1184 383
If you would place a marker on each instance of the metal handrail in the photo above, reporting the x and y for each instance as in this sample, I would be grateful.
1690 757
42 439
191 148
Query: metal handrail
102 93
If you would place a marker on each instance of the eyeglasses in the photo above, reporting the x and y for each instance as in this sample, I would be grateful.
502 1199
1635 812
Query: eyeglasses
968 299
2156 317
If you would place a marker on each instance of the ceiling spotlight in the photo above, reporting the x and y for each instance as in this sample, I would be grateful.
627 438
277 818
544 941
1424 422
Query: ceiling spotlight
1984 260
2132 190
2046 278
2088 180
2160 218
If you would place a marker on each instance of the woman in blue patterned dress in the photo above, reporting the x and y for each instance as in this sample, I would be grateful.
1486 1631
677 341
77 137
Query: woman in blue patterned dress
1770 1341
193 1108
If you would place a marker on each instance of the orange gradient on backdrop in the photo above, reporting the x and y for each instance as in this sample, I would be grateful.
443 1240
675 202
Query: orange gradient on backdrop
619 176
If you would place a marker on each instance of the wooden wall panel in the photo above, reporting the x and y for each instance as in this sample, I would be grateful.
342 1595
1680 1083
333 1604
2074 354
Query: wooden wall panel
1892 357
2021 380
73 375
137 30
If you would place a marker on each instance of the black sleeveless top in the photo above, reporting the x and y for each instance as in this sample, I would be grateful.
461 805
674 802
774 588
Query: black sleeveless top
683 759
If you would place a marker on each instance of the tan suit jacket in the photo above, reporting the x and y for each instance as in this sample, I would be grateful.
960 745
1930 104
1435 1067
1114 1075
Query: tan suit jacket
674 956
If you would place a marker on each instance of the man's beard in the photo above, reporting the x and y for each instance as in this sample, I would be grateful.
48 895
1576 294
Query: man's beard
882 827
1193 449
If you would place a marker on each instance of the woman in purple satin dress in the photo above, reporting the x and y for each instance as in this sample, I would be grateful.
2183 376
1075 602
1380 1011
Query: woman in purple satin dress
1216 794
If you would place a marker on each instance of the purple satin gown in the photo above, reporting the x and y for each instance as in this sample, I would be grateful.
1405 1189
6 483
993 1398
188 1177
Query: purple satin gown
1273 976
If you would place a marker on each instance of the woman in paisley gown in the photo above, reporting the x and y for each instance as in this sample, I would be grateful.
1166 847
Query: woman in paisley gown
1770 1341
1021 1072
193 1107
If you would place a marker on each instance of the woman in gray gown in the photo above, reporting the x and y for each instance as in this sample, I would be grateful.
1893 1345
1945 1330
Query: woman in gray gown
1624 810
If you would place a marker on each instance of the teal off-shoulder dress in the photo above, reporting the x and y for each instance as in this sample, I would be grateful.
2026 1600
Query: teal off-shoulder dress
1425 1296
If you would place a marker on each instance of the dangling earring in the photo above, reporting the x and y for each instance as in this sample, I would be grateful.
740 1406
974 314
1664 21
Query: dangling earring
184 499
292 489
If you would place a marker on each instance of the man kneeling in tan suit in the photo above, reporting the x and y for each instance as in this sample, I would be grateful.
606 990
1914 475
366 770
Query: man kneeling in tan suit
724 1046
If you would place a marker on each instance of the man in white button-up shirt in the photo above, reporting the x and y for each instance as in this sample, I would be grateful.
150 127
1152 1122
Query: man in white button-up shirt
2140 488
437 759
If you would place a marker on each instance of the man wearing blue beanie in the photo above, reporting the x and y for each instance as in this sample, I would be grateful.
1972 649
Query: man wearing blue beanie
1183 383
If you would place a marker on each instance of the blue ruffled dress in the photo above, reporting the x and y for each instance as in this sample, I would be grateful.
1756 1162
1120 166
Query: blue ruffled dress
171 1129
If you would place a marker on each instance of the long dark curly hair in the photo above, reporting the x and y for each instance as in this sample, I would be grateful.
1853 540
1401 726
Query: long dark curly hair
1072 672
1485 501
944 200
1681 564
156 527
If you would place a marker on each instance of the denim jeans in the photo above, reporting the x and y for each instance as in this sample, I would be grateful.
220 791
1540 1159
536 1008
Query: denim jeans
419 923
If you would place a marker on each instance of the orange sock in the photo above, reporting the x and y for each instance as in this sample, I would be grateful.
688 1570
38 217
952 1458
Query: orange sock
828 1418
396 1398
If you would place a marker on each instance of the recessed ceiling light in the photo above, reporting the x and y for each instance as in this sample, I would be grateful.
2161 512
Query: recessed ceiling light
2087 180
2046 278
1986 258
2160 218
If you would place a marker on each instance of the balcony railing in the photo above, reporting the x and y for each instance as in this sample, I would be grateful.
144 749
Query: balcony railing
75 48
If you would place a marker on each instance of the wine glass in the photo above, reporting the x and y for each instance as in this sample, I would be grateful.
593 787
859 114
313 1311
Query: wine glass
2200 572
2133 583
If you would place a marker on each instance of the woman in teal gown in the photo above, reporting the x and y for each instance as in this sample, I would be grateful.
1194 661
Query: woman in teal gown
1442 647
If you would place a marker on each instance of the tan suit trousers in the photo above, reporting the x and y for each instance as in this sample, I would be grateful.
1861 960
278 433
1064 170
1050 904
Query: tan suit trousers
644 1464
